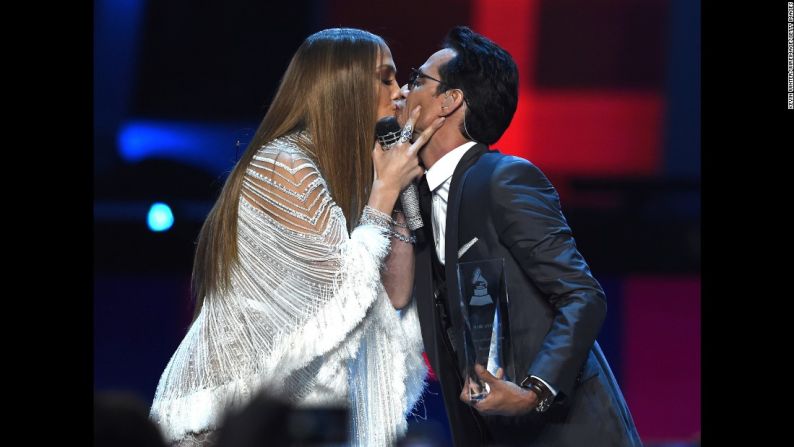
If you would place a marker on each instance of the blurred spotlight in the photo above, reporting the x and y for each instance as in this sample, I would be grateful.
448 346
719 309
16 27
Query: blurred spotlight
160 217
213 147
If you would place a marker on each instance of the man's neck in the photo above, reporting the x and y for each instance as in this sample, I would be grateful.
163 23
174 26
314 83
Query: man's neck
439 145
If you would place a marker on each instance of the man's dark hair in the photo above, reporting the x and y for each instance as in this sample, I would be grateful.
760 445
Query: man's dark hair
271 419
121 419
488 77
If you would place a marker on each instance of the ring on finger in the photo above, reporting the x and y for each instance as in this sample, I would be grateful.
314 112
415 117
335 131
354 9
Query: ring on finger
406 134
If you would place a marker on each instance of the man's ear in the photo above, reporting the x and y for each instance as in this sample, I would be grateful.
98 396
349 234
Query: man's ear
451 100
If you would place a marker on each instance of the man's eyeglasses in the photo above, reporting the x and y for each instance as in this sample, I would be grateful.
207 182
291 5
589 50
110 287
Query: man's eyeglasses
413 80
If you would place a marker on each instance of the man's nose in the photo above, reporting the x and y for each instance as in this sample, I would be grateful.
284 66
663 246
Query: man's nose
404 90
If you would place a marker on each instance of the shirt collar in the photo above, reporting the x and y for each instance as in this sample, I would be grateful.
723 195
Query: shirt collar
445 166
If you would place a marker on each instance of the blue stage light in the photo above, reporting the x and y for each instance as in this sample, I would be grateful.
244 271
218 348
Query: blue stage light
160 217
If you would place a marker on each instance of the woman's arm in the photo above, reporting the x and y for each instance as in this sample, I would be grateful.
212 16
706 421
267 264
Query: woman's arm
394 169
398 273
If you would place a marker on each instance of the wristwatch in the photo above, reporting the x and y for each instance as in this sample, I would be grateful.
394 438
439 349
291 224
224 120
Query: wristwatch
545 397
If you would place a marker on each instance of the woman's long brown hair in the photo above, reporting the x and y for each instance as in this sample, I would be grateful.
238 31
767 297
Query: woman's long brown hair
329 90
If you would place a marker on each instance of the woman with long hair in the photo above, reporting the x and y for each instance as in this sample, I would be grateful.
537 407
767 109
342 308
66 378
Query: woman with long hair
291 261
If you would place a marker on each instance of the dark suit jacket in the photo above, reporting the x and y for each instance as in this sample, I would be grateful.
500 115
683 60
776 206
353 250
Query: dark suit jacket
555 313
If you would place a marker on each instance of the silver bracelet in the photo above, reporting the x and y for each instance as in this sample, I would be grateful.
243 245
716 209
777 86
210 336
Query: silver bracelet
400 224
401 237
371 216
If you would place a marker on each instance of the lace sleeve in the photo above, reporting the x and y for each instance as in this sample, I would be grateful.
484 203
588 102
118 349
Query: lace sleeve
312 280
288 187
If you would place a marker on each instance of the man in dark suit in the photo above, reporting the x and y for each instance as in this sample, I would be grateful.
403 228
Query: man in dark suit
477 205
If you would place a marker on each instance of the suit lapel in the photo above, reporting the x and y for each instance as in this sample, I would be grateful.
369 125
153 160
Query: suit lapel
451 239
